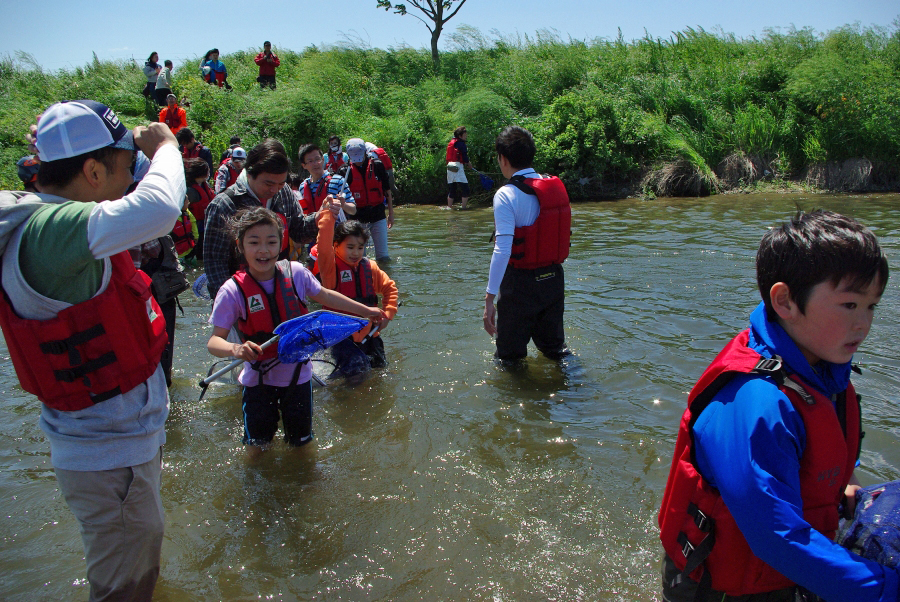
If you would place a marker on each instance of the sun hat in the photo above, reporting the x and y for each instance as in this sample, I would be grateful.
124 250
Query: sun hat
356 149
239 153
71 128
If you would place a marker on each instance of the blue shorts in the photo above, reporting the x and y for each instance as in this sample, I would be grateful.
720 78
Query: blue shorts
262 405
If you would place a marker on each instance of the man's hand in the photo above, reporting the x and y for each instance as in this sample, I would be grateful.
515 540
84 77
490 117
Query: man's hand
153 137
490 315
390 218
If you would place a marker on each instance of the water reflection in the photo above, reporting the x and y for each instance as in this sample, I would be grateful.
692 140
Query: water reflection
443 476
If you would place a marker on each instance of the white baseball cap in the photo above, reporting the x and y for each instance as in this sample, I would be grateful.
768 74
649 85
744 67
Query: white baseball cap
71 128
239 153
356 149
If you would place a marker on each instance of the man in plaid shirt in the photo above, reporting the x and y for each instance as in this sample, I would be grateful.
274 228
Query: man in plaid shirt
261 183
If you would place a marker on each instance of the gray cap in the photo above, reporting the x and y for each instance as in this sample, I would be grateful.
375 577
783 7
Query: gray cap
356 150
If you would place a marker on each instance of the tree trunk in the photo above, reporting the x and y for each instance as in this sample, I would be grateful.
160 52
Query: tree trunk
435 57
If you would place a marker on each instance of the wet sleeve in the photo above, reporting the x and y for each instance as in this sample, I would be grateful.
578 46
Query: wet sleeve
749 442
324 242
388 289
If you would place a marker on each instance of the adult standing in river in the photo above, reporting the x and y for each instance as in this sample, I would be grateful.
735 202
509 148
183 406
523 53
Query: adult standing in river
86 337
261 183
457 162
370 186
532 222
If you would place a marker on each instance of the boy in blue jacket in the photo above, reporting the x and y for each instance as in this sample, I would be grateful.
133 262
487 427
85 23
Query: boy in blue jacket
765 454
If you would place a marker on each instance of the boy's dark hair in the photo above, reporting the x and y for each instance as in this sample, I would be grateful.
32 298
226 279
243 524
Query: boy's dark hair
335 137
168 63
194 168
351 227
235 140
244 219
517 145
184 136
268 156
458 132
306 149
61 172
816 247
295 180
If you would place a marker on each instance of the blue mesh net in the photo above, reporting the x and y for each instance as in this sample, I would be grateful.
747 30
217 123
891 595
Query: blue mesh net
874 531
301 337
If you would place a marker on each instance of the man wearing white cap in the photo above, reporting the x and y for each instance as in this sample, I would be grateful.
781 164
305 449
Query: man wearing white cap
84 333
230 169
370 186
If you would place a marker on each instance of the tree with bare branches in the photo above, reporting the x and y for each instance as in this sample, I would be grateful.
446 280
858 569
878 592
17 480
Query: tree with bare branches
438 12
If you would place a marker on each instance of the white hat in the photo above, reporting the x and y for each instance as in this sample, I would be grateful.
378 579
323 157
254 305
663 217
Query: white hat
239 153
71 128
356 150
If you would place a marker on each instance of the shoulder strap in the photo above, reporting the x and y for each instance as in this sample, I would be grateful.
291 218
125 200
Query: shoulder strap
519 182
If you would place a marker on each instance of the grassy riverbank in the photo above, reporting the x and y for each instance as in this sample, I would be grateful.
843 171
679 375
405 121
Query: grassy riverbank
694 113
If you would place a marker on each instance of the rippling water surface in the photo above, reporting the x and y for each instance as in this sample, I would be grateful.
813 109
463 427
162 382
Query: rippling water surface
442 476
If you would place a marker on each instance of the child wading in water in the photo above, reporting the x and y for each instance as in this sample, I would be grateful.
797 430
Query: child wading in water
343 268
260 296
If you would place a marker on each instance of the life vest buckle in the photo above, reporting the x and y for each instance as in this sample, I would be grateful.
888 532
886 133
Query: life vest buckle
702 521
767 364
687 548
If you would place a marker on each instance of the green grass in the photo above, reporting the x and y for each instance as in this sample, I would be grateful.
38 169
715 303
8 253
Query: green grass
601 110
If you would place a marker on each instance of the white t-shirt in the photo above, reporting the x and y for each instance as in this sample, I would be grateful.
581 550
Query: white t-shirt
512 209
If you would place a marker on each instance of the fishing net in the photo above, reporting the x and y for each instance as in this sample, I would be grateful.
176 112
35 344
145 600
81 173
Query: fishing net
301 337
874 531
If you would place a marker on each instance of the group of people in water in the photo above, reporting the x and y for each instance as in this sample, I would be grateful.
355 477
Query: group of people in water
765 456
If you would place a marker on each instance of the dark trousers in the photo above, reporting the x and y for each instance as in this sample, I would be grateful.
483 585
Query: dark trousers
161 94
266 81
530 307
168 312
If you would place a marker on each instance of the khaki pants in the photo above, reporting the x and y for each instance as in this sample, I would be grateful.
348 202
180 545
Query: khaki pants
120 514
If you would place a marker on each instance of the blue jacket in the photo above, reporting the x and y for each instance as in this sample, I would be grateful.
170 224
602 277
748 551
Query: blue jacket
748 444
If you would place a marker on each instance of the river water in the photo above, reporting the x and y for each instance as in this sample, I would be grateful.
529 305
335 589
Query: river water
443 476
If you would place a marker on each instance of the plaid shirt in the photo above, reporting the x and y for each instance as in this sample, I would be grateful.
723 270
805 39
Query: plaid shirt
219 250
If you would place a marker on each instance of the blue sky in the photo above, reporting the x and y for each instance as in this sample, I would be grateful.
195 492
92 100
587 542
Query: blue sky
62 34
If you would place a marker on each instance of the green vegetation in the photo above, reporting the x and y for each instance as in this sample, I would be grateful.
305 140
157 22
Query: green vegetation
692 114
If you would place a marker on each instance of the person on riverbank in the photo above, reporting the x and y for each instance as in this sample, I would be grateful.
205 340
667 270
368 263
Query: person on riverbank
191 148
765 455
314 189
343 267
84 334
457 162
532 222
261 295
261 183
370 186
267 61
199 196
163 84
172 115
213 70
230 169
151 71
27 169
336 160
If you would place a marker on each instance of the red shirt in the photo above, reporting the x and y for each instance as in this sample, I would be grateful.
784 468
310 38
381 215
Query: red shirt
266 67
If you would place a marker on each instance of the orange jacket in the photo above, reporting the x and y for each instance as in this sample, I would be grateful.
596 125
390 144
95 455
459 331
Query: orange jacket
175 119
328 275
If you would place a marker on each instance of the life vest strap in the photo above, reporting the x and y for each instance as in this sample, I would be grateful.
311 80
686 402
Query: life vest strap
69 344
76 372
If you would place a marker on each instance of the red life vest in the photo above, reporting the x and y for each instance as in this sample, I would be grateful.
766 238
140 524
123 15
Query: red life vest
183 235
191 153
356 283
546 241
697 530
198 208
367 191
453 153
313 202
264 311
233 173
335 161
384 157
93 350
